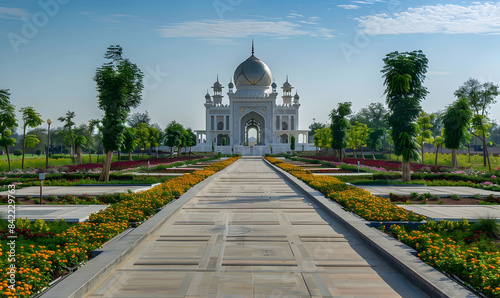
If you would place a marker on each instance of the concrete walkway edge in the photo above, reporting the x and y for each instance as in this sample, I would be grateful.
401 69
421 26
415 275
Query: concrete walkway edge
96 270
397 254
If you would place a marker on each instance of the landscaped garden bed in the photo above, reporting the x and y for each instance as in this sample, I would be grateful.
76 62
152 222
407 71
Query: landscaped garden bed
45 250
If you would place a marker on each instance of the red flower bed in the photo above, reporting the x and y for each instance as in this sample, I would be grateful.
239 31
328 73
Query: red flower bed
117 165
388 165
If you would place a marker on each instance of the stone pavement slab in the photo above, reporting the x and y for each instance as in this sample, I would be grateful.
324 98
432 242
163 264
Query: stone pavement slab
440 191
249 233
94 190
70 213
456 212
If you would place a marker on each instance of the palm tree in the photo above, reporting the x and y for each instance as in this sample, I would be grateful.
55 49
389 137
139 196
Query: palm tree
403 75
456 120
173 137
30 119
7 122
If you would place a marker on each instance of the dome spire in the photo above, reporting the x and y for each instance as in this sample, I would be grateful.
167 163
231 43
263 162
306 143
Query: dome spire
252 47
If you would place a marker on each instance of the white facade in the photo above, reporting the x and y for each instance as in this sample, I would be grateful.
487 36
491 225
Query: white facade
251 110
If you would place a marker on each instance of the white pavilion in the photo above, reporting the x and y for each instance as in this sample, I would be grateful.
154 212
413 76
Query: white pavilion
251 120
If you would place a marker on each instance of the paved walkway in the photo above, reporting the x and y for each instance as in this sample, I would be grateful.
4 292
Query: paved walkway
440 191
250 234
70 213
94 190
247 232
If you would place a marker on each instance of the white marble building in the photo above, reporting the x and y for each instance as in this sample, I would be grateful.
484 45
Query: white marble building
251 120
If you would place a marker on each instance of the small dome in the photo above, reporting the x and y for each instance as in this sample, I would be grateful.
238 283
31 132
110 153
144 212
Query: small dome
296 96
286 84
231 85
252 72
207 96
274 85
217 84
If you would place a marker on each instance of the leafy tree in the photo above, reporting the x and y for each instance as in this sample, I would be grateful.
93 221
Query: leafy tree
93 124
38 152
374 141
80 141
31 141
8 122
403 75
184 141
154 138
425 133
119 87
70 135
135 119
356 137
173 136
30 119
18 152
456 121
323 138
373 116
479 97
292 143
437 123
192 139
438 142
223 141
129 141
142 134
313 128
339 127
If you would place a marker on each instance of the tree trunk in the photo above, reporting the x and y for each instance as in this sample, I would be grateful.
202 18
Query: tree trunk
422 149
24 146
130 156
119 155
179 151
106 167
406 170
486 151
90 150
156 154
354 153
8 157
468 146
436 161
341 157
373 155
79 154
454 163
171 152
362 153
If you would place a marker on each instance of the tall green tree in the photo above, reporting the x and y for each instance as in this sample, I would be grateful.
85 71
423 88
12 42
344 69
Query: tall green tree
356 137
479 97
70 134
129 141
192 139
93 124
142 134
340 125
374 141
292 143
136 118
425 132
8 122
456 121
438 142
173 137
323 138
80 141
403 75
154 139
313 128
119 87
30 119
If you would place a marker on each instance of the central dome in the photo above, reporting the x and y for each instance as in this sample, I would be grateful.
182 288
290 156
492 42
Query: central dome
252 72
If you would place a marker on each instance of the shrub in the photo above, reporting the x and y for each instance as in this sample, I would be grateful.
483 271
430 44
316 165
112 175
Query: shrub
18 152
455 197
51 198
38 151
36 201
488 226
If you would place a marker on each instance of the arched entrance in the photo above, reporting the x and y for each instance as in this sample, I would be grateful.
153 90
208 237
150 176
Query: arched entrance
252 129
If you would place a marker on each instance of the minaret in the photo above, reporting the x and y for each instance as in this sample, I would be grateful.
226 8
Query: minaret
296 98
208 100
230 85
287 93
217 92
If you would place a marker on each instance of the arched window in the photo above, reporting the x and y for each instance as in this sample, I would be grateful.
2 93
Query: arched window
220 125
284 126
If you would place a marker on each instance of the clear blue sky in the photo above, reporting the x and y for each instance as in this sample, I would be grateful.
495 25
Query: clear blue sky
332 51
